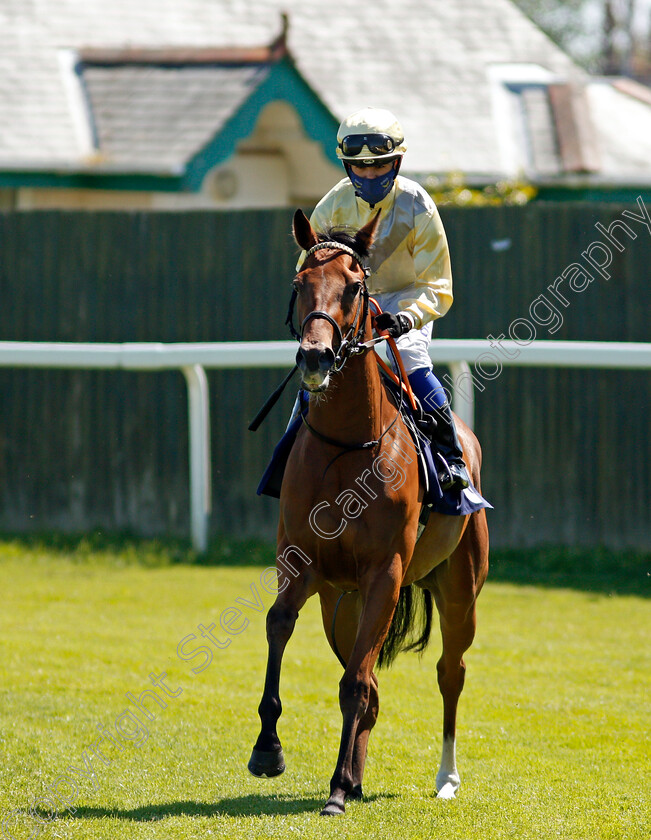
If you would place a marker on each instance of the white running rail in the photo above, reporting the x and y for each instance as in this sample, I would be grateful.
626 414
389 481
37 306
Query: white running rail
193 359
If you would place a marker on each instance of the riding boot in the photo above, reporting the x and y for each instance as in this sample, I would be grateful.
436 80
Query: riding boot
452 473
446 443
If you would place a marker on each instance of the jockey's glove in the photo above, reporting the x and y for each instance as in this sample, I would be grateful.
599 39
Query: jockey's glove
395 325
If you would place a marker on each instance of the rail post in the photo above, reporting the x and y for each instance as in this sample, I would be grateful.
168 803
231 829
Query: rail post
200 472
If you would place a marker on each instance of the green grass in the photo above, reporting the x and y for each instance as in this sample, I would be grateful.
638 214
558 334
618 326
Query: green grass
553 730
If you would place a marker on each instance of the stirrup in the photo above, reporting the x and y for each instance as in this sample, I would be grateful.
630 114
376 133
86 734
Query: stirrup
452 476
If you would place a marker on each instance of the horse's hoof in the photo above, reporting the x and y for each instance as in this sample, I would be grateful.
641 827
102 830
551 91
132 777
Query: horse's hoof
266 763
356 793
448 791
333 808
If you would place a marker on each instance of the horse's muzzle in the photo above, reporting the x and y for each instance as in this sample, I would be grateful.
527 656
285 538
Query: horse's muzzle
314 364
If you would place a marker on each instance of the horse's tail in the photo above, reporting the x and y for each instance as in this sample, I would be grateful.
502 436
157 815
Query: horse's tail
411 626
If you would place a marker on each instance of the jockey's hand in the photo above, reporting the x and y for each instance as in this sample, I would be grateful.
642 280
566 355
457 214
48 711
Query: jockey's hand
395 325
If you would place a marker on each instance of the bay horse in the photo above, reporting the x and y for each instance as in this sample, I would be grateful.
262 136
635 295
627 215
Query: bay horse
352 527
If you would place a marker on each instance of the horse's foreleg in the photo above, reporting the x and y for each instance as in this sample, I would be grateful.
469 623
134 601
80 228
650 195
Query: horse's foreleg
267 757
364 727
380 598
341 615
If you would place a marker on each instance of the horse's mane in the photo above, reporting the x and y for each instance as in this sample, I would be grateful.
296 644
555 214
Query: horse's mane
344 235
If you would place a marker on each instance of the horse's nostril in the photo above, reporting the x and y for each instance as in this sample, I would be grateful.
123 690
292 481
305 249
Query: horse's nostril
308 360
315 359
326 359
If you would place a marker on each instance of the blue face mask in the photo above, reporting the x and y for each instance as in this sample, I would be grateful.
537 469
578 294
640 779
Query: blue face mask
372 190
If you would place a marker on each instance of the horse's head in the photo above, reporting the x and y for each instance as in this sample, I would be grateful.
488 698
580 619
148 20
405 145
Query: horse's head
331 298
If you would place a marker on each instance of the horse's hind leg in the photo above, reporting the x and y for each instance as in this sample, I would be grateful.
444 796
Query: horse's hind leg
267 757
455 585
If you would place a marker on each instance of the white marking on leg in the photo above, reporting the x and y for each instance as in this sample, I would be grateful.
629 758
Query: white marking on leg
447 779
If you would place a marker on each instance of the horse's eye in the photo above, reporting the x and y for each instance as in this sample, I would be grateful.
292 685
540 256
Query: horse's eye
353 289
296 286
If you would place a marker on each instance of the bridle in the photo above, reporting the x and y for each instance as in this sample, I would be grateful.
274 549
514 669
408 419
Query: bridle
350 344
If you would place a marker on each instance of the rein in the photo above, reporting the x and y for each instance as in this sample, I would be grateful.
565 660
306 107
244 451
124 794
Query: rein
347 447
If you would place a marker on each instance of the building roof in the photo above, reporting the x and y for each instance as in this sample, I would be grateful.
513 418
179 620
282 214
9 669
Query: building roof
471 82
179 109
183 109
161 118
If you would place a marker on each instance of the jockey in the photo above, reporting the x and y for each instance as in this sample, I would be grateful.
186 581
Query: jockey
411 277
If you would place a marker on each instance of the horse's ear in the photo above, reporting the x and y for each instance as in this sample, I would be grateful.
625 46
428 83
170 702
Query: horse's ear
365 236
302 229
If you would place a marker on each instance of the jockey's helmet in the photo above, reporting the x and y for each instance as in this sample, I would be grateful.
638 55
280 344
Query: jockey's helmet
370 136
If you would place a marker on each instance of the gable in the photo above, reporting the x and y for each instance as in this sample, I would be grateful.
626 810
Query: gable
282 84
161 120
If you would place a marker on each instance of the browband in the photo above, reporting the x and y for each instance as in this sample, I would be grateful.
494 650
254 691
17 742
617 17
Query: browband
338 246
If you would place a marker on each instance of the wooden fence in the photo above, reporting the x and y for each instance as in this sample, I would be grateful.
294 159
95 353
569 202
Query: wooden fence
567 454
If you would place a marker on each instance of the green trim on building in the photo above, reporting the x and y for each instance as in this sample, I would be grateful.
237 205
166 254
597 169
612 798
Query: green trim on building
135 182
612 195
283 82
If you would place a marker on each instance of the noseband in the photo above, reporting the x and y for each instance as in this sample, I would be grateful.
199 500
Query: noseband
351 343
